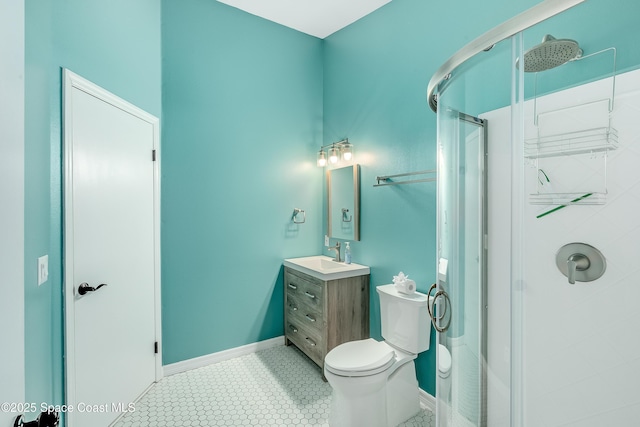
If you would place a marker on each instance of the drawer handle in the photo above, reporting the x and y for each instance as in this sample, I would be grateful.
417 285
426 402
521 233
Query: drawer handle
310 318
293 328
312 296
293 307
292 286
310 341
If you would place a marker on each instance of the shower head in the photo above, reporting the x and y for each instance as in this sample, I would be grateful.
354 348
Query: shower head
551 53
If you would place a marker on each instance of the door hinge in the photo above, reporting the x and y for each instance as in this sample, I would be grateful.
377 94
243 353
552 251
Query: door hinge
155 347
153 155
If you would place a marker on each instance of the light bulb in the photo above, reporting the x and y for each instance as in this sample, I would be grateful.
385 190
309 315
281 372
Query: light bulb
322 158
347 154
333 155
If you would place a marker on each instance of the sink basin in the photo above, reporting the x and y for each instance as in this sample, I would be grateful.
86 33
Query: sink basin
324 268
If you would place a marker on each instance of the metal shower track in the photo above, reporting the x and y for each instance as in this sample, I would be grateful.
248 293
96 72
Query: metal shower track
521 22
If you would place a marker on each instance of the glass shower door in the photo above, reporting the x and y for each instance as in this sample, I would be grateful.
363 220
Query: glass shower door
460 314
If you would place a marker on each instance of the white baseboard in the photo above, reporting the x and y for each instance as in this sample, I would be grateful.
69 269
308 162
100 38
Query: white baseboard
209 359
427 401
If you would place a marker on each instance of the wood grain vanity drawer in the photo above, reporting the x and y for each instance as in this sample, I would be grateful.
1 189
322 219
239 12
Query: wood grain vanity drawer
308 341
310 293
297 303
308 319
307 328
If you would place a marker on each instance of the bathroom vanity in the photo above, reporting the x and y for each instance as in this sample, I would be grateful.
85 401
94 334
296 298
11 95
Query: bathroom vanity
326 303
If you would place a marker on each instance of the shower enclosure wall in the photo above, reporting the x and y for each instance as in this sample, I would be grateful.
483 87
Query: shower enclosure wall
562 165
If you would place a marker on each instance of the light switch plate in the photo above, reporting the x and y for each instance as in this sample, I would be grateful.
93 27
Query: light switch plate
326 240
43 269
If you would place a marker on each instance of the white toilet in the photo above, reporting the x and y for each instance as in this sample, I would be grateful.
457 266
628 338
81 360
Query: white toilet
374 383
444 371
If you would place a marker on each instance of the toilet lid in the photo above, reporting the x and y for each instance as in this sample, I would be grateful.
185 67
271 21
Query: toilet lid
359 356
444 359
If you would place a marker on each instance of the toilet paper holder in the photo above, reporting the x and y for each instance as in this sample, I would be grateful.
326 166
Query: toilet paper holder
580 262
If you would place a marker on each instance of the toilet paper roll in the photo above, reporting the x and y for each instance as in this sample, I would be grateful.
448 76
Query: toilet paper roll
406 287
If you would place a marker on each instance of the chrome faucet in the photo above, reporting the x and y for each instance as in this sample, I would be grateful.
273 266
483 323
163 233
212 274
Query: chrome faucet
337 249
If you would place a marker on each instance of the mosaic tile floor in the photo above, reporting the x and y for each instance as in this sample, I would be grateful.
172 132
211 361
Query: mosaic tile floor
274 387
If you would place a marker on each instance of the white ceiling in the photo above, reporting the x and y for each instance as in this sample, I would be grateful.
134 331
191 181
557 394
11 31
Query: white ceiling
319 18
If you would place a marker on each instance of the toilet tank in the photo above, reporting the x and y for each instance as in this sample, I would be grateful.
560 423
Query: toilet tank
404 319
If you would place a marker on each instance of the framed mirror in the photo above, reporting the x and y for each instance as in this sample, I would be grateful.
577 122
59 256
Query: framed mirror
343 202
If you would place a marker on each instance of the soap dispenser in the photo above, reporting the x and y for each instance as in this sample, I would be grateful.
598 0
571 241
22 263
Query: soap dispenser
347 253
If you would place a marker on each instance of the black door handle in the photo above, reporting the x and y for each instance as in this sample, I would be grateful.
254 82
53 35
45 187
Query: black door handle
84 288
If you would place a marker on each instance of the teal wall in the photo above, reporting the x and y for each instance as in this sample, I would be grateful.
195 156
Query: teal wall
375 78
43 305
245 104
242 104
116 44
242 118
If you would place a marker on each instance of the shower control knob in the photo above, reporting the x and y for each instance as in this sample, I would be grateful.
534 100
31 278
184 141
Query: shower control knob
576 262
580 262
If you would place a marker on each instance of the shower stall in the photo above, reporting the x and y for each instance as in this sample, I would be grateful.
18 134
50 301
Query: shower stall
538 221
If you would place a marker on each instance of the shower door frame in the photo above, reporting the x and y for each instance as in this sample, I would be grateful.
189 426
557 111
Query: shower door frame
437 85
443 319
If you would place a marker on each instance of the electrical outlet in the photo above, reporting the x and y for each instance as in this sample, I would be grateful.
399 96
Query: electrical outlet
326 240
43 269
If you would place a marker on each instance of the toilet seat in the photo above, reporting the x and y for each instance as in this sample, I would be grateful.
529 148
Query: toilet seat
444 361
359 358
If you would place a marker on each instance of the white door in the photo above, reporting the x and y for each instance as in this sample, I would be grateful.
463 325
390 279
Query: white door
111 249
12 387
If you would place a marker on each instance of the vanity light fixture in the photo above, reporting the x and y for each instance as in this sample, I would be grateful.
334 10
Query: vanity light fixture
336 150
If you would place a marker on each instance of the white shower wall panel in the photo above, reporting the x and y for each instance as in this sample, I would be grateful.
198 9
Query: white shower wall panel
498 295
581 343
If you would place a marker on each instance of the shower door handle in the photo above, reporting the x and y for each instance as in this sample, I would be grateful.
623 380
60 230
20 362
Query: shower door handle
431 302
